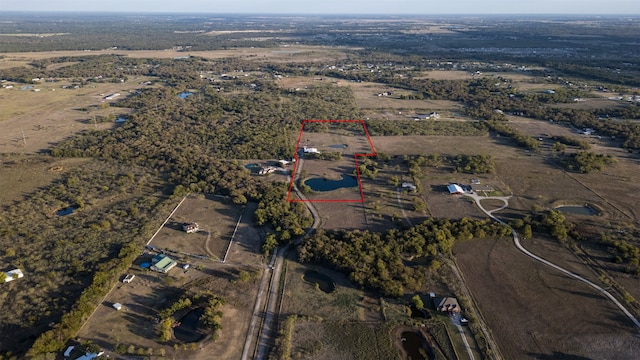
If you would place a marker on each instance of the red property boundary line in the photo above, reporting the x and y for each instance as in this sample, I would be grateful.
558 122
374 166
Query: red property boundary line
356 156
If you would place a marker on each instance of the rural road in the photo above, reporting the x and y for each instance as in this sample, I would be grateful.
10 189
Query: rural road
516 241
267 331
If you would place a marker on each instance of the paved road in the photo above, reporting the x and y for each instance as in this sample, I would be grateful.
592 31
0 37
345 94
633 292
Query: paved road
516 241
267 308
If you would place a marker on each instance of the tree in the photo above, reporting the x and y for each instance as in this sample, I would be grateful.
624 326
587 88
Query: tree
417 302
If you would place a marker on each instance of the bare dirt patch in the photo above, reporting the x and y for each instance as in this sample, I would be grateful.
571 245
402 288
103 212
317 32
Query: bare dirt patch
216 218
534 311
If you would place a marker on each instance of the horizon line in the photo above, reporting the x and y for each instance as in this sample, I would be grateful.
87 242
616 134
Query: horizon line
3 12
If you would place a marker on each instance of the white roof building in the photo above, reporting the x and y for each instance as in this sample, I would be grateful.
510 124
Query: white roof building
310 150
455 189
13 274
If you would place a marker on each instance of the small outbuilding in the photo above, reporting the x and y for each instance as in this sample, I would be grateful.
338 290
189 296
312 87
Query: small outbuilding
117 306
13 274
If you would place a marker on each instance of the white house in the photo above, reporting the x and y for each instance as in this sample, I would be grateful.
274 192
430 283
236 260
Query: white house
310 150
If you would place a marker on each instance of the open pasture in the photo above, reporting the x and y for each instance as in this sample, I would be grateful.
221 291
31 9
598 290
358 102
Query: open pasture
298 53
32 121
216 220
20 175
535 312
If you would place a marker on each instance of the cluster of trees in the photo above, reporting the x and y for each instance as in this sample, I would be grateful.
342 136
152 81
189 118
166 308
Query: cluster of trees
54 340
503 129
424 127
211 317
474 164
378 260
624 248
288 219
571 141
586 161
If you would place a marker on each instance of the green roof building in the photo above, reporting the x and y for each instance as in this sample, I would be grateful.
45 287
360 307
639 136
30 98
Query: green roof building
163 264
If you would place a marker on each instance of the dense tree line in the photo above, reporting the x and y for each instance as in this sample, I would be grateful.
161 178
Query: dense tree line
568 140
379 260
504 129
424 127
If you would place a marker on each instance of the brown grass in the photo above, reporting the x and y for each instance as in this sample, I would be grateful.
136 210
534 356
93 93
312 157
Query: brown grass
216 219
21 175
288 54
52 114
534 311
151 292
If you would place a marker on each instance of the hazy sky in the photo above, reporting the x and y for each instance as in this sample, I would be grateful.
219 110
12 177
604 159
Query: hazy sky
334 6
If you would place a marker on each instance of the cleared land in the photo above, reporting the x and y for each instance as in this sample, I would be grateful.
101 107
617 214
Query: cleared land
216 220
20 175
33 121
136 325
288 54
536 312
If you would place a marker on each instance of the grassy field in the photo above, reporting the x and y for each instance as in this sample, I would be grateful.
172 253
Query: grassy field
216 218
535 311
300 53
33 121
22 174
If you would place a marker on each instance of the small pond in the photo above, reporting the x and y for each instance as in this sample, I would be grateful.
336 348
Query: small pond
321 184
416 350
66 211
577 210
187 331
252 167
325 283
183 95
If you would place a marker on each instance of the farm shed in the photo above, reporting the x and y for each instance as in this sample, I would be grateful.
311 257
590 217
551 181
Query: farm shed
162 263
455 189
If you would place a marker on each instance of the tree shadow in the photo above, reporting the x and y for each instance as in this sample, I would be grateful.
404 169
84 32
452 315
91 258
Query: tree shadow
557 355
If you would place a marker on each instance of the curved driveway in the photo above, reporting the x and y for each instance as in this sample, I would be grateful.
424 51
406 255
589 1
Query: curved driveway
516 241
